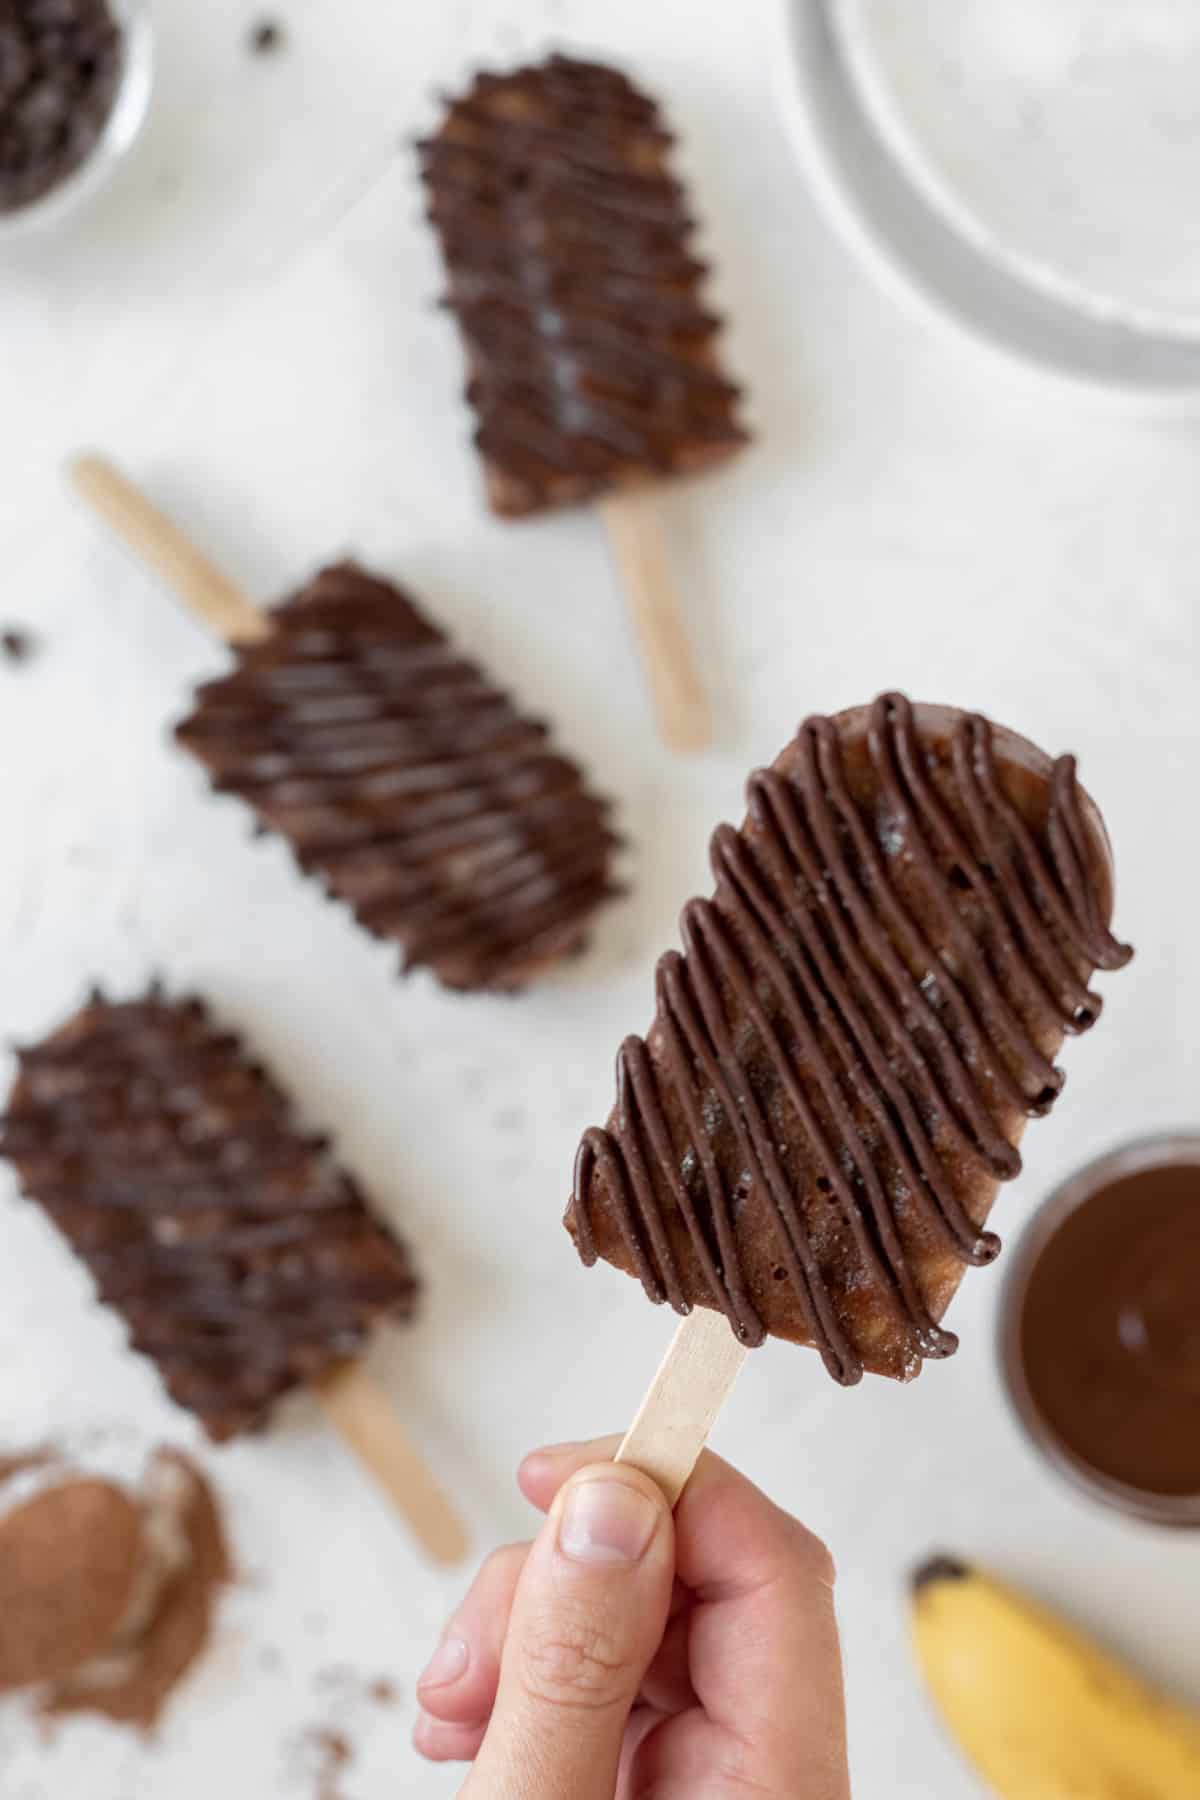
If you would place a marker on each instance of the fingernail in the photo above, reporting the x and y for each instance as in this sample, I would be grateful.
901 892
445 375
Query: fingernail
448 1663
605 1520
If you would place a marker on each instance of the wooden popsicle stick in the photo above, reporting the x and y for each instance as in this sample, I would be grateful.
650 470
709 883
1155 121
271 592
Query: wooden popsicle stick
351 1399
635 536
160 543
364 1417
680 1409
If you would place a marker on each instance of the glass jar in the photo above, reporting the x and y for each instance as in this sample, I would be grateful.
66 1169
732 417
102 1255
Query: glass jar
1146 1352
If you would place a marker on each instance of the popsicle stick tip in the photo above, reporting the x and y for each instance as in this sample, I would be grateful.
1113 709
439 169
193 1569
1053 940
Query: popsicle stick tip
83 466
163 547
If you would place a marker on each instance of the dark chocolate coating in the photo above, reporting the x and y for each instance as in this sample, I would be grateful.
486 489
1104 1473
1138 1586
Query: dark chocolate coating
844 1057
566 241
408 784
241 1257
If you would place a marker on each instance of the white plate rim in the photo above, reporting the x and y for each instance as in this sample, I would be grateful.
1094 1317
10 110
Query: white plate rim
805 94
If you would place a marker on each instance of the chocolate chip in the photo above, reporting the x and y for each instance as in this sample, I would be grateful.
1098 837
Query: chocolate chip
266 37
17 645
16 62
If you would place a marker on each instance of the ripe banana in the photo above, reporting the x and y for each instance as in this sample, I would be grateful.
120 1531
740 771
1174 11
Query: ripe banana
1043 1713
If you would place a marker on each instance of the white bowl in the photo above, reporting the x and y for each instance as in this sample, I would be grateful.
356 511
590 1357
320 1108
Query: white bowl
115 141
914 249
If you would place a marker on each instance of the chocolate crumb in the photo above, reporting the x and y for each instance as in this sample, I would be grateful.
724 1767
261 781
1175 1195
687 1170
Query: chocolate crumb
266 37
17 645
323 1755
333 1745
349 1686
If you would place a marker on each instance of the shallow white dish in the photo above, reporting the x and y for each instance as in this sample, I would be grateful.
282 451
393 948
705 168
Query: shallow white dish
915 248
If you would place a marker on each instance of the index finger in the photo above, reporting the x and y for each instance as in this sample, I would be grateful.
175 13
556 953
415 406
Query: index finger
544 1471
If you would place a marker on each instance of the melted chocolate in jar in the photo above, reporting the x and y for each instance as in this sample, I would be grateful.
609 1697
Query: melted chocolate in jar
1110 1330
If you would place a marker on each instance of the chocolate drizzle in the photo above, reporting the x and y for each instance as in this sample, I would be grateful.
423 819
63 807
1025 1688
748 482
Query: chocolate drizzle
844 1055
408 784
241 1257
566 241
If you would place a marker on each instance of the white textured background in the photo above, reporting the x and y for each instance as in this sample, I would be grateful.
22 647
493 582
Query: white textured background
245 321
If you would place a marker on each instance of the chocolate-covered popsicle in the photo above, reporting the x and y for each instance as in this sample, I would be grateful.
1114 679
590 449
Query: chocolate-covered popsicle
241 1257
567 246
844 1057
408 784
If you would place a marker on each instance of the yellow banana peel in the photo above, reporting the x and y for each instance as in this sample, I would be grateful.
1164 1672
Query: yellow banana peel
1041 1711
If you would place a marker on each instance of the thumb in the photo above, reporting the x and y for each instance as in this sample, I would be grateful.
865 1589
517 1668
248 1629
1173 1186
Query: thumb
589 1613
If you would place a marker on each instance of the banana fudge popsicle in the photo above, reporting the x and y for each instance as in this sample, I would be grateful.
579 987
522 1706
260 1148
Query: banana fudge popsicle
408 784
567 246
241 1257
591 351
865 1014
402 777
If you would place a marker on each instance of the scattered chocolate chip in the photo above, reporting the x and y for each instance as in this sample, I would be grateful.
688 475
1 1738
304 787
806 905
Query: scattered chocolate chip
334 1747
319 1757
17 645
348 1686
266 37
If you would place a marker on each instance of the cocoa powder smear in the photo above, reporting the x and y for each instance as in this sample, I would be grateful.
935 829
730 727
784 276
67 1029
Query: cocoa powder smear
107 1593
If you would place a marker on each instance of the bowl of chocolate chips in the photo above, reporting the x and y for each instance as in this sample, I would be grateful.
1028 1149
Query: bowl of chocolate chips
75 80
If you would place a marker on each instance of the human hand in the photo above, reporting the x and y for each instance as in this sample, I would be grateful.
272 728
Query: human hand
625 1655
